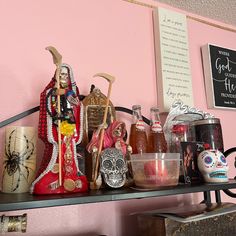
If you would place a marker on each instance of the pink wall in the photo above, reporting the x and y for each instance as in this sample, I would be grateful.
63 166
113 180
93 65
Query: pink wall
93 36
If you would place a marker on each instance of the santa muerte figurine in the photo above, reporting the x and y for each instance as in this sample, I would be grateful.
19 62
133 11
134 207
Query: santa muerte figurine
113 137
103 139
60 128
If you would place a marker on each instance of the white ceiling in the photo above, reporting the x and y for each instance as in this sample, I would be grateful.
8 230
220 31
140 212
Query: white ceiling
220 10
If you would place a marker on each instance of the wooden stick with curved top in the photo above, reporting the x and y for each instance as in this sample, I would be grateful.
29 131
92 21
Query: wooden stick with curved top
110 79
57 60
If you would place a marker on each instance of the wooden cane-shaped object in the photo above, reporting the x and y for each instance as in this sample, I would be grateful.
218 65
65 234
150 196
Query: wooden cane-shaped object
57 60
110 79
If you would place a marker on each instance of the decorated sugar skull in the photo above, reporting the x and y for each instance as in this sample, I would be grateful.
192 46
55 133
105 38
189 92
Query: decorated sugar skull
113 167
213 166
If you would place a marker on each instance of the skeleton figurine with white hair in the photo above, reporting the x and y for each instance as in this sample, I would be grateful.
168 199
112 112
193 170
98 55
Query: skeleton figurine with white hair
60 118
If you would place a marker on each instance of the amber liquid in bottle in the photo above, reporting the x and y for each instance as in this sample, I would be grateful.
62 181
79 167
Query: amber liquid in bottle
156 137
138 136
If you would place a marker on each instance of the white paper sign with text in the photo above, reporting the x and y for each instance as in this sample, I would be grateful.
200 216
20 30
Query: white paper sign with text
174 80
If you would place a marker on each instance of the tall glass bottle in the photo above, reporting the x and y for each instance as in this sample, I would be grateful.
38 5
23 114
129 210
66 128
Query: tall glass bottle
156 137
138 136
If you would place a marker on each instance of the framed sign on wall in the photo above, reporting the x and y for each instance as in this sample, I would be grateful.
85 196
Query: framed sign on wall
174 80
219 66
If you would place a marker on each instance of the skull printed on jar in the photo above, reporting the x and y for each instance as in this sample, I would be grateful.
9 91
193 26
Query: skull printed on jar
113 167
213 166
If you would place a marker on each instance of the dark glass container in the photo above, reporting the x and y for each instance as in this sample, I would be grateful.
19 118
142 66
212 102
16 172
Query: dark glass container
209 131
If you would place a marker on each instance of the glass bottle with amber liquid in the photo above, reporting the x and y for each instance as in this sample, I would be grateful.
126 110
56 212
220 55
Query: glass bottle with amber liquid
156 137
138 136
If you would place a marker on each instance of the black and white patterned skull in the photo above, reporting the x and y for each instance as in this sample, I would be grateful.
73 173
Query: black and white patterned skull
113 167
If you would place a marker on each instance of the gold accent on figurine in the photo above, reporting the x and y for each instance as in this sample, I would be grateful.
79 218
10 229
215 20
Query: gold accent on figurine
69 185
55 168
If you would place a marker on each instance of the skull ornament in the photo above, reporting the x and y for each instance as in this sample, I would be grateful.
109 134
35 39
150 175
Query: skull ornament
213 166
113 167
64 77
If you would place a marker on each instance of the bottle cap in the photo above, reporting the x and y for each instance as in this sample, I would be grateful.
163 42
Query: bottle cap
208 121
156 109
135 107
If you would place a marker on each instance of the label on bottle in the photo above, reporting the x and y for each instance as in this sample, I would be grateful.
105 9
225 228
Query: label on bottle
156 126
140 125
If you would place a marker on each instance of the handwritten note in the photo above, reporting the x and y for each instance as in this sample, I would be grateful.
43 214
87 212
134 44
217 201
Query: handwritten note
172 56
220 76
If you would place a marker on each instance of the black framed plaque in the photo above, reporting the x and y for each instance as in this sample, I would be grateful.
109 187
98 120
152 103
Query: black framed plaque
219 66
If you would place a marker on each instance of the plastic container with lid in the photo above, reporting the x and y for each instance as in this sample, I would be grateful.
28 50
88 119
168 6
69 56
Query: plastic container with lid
153 170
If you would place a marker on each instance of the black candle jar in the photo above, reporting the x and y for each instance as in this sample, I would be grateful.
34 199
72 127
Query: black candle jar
209 131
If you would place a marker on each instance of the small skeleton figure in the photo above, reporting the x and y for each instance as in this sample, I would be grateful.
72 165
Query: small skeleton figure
94 109
113 137
71 130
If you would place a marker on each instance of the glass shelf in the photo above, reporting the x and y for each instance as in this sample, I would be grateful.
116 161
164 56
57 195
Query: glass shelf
10 202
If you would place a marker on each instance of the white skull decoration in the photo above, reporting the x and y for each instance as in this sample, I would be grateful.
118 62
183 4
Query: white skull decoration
213 166
113 167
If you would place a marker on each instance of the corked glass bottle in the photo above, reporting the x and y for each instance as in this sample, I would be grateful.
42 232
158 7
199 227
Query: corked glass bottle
156 137
138 136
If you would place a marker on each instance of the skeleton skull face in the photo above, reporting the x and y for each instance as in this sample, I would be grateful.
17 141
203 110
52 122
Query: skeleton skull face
64 77
119 130
113 167
213 166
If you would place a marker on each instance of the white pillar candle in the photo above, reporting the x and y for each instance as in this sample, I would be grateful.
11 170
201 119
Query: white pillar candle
19 162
